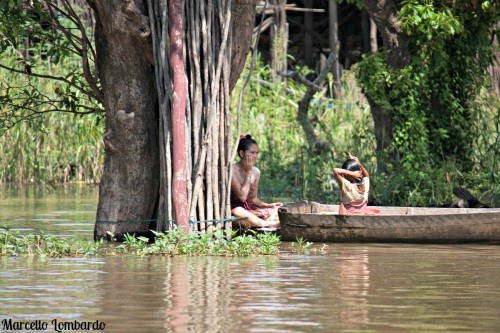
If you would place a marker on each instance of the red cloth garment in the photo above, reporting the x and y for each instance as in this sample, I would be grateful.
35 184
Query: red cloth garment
357 209
262 213
352 208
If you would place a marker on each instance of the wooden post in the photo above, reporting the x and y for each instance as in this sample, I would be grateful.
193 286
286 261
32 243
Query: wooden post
373 37
334 42
279 39
210 39
308 41
179 184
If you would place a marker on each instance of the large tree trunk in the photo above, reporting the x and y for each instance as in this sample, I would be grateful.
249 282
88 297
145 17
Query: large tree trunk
137 67
129 185
385 15
242 24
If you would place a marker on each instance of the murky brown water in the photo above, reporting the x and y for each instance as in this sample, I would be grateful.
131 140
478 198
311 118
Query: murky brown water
65 211
349 288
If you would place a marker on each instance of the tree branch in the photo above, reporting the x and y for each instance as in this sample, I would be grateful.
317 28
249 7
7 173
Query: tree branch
52 77
303 110
81 43
297 77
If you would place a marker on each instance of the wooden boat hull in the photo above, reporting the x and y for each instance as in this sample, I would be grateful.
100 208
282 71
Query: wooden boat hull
315 222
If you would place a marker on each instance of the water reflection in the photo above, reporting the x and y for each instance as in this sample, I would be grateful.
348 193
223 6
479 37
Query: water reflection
37 288
349 288
355 276
365 288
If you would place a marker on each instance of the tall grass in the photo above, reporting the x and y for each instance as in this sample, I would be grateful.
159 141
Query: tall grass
48 146
289 168
60 147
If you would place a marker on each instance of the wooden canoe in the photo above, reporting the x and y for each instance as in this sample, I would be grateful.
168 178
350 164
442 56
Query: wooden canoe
316 222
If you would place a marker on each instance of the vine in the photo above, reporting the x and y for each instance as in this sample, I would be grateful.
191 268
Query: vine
432 99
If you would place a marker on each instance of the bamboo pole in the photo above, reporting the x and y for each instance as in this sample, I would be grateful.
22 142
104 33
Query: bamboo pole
205 35
197 176
158 27
215 80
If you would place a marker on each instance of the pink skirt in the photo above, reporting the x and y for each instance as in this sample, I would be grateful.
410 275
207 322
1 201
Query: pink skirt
261 213
357 209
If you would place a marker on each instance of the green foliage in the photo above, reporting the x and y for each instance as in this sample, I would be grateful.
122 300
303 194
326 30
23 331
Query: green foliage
289 169
428 24
420 174
175 242
301 246
402 93
441 135
15 244
445 123
43 97
43 67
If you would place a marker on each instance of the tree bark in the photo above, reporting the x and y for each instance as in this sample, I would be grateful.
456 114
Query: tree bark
243 22
385 15
303 111
365 31
373 37
143 80
129 185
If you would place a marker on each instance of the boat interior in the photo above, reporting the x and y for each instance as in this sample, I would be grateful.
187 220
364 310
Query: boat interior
312 207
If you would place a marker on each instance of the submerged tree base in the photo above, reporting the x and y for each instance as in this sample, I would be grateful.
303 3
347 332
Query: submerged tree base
175 242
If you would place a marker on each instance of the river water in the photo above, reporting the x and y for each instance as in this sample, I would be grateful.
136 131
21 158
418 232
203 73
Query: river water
342 288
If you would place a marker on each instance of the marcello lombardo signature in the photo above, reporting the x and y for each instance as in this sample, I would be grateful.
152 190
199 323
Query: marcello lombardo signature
54 324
